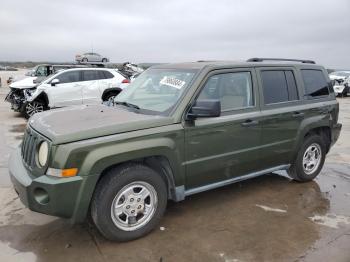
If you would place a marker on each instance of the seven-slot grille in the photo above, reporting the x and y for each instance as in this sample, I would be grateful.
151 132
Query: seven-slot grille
29 145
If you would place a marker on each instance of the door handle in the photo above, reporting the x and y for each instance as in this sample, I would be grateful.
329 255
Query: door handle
298 114
250 122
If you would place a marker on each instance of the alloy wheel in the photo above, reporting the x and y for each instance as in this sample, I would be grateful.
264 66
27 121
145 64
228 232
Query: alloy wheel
134 206
33 108
312 158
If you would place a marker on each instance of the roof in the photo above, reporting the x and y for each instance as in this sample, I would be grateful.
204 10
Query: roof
224 64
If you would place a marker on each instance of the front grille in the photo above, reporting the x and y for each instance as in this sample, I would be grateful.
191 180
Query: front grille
29 146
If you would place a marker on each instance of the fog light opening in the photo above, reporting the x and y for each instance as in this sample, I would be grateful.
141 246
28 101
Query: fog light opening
41 196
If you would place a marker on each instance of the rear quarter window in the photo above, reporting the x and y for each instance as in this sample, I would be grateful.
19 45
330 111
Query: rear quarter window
105 74
90 75
315 83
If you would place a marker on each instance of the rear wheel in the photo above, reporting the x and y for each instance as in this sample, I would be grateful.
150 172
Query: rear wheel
128 202
104 60
109 97
32 108
310 159
84 60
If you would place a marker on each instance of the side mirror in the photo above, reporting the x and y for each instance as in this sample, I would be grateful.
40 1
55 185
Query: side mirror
55 82
205 108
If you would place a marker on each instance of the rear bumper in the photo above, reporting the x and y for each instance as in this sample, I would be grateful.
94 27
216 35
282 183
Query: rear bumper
335 133
45 194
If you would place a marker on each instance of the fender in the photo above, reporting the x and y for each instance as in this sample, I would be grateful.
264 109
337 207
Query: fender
317 121
95 160
38 94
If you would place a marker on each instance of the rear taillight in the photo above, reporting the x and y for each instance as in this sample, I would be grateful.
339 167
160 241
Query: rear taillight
126 81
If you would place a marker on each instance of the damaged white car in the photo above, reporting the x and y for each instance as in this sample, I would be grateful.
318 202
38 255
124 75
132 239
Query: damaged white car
341 80
69 87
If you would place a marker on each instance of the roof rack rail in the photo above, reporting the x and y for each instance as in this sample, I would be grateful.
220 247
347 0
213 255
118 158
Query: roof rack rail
259 59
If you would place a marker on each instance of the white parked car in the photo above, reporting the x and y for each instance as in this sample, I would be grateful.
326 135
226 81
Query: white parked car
75 87
91 57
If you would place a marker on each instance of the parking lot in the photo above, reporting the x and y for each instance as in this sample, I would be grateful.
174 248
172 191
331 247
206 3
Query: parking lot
269 218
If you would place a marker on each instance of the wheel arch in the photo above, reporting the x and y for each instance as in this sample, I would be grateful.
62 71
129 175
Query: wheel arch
317 127
108 91
160 164
323 131
43 97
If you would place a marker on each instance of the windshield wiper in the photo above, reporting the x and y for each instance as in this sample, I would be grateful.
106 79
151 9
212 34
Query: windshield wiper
126 104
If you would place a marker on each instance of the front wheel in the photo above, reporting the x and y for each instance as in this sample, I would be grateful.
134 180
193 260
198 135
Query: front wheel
309 160
128 202
32 108
104 60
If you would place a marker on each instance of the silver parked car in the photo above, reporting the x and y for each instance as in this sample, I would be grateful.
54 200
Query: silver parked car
91 57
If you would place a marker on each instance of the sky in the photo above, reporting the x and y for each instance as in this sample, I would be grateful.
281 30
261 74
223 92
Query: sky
176 30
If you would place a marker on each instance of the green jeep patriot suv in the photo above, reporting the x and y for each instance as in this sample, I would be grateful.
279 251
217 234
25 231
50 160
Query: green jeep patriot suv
177 130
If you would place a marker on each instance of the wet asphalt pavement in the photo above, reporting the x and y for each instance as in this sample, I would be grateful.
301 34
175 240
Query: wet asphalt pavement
270 218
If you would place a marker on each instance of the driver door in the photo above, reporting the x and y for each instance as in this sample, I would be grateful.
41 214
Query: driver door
220 148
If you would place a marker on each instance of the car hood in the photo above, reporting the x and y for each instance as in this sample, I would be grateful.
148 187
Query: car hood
90 121
24 83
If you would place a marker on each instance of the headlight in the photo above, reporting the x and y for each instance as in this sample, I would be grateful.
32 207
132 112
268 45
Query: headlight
43 153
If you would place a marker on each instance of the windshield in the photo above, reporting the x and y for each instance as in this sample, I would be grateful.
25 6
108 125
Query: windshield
340 73
157 90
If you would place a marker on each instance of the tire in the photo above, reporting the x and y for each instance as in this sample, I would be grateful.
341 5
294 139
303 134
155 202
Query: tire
84 60
120 187
104 60
306 170
32 108
109 96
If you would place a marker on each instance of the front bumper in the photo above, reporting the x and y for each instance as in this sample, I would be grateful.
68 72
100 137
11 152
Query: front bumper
17 102
45 194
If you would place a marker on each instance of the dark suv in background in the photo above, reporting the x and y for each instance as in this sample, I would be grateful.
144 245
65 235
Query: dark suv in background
177 130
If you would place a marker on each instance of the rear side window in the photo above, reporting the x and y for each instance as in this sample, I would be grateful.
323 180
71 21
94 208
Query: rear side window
90 75
315 83
279 86
104 74
69 77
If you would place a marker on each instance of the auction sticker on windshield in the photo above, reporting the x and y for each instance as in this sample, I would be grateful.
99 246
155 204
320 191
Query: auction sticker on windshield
173 82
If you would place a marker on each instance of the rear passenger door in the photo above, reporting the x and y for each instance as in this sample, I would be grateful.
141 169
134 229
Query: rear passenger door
282 113
90 87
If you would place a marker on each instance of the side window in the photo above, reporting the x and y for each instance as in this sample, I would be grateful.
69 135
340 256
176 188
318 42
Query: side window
90 75
278 86
102 74
315 83
69 77
234 90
